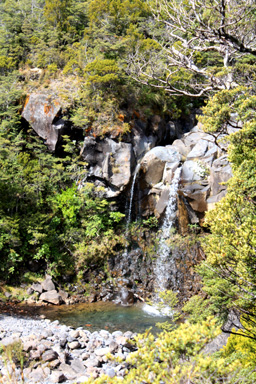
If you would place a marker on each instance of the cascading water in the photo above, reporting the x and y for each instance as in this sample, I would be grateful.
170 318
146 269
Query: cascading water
131 199
163 261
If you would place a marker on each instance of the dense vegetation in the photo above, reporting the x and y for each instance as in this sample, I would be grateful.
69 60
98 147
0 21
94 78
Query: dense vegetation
111 52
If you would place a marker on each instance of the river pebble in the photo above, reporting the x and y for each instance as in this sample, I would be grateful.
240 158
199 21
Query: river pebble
56 353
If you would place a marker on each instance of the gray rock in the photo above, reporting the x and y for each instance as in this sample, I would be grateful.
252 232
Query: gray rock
82 379
67 371
77 366
57 377
117 333
153 163
28 345
101 351
75 333
199 150
51 297
74 345
64 295
40 111
48 284
49 355
109 161
39 375
110 372
37 287
54 364
113 346
192 171
30 291
92 363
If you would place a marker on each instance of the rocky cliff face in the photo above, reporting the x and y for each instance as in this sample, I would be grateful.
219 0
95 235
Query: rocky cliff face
160 147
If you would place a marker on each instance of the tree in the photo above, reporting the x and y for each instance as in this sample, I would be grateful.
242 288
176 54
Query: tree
203 46
229 271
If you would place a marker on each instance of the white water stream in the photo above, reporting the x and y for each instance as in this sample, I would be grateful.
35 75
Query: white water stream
131 199
163 261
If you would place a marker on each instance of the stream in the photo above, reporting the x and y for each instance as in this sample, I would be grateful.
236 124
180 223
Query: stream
106 315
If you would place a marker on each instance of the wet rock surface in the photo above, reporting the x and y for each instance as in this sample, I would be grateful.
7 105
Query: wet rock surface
57 353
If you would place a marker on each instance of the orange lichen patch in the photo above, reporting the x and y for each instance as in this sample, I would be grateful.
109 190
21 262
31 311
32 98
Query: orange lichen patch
47 109
121 117
136 114
26 101
88 129
56 103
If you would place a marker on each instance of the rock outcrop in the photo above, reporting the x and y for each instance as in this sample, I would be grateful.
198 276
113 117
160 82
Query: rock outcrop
204 170
109 162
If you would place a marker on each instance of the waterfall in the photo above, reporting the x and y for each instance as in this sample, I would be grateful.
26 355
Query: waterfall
131 199
163 261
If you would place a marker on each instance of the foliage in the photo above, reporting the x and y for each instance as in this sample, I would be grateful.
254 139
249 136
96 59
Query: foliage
203 46
43 216
231 245
13 357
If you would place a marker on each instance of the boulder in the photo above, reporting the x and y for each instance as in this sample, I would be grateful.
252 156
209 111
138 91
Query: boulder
199 150
40 110
48 284
162 202
153 163
64 295
51 297
37 287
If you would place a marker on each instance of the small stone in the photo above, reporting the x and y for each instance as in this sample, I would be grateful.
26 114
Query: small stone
74 345
54 364
93 372
63 342
38 375
85 356
113 347
35 355
121 340
28 345
104 334
101 351
128 334
110 372
75 333
91 363
82 379
49 355
57 377
77 366
67 371
117 333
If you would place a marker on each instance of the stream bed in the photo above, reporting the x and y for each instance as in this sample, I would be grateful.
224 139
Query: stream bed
108 316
